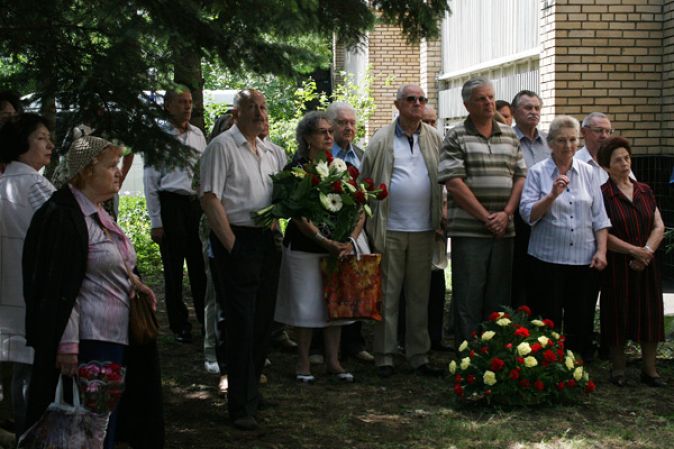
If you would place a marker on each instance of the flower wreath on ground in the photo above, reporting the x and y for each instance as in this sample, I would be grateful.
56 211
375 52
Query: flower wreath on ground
326 192
517 360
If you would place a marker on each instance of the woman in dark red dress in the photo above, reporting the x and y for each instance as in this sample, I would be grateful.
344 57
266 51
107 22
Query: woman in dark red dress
631 293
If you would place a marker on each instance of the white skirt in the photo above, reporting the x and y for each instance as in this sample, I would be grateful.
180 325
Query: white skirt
299 301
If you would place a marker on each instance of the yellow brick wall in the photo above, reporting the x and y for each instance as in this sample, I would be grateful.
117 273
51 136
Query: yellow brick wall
608 56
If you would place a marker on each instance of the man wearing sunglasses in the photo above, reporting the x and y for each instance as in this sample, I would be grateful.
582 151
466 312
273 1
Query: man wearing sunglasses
404 156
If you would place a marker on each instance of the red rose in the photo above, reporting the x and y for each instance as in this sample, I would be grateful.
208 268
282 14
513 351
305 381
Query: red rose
549 323
473 334
539 385
524 309
328 156
560 353
470 379
571 383
359 196
487 392
560 344
549 356
471 354
458 378
520 360
494 316
353 172
484 349
369 183
496 364
383 192
458 390
509 346
590 387
315 180
524 383
560 386
337 187
522 332
536 347
514 374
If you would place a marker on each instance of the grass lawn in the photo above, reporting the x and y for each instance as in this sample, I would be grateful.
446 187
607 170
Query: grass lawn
405 411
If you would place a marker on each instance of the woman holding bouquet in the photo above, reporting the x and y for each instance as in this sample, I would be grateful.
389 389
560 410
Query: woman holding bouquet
300 294
631 294
77 281
563 204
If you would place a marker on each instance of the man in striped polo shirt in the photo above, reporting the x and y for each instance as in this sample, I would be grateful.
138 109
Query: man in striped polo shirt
482 167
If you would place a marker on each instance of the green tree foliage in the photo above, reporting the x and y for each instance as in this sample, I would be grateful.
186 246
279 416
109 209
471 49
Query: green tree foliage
135 222
101 55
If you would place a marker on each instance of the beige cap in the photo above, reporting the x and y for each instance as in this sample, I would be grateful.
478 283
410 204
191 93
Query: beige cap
82 152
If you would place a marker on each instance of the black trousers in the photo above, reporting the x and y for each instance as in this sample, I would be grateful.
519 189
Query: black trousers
249 274
520 279
180 216
566 294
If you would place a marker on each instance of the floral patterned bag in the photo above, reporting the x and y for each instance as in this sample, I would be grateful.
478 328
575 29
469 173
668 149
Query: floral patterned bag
352 286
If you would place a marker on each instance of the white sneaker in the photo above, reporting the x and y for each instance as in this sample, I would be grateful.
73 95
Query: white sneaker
316 359
364 356
212 367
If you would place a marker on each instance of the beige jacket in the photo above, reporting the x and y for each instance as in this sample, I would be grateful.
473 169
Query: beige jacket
378 165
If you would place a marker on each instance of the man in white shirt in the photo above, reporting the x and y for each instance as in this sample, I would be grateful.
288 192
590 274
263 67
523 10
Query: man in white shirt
404 156
174 211
235 182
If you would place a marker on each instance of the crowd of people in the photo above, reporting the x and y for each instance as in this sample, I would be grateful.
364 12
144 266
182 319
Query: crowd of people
531 220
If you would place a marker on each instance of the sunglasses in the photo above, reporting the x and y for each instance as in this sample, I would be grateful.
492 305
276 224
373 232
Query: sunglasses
414 98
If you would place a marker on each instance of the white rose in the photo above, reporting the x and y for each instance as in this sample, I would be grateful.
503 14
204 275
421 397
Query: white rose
322 169
530 362
337 166
503 322
543 340
538 323
523 349
489 378
463 346
465 363
555 335
452 367
488 335
578 373
568 361
569 353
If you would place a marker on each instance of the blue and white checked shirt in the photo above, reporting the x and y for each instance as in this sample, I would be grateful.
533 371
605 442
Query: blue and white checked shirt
565 234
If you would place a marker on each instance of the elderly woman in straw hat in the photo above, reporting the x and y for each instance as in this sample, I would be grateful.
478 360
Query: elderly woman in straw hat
77 266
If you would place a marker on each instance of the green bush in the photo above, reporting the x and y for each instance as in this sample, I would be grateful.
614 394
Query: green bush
135 222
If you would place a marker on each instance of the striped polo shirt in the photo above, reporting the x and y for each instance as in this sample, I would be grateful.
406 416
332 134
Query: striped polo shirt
488 166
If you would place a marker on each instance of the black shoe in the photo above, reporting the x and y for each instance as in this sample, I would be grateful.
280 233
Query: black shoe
656 382
184 336
428 371
246 423
385 371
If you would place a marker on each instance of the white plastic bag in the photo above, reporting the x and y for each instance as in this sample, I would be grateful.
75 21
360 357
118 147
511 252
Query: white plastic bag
65 426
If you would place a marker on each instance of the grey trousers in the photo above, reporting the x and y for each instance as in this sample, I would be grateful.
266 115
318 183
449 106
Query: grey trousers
481 280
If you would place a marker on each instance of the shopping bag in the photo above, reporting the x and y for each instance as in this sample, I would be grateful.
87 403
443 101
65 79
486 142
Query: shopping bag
352 286
65 426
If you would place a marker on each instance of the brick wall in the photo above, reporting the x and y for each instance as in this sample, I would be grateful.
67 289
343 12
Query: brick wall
393 63
430 66
667 122
607 55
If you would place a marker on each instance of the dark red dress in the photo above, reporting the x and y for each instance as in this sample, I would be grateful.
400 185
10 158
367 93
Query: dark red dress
631 301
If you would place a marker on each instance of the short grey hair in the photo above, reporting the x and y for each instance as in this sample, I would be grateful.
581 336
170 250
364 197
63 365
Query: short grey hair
561 122
335 107
400 94
245 95
472 84
306 127
528 93
589 118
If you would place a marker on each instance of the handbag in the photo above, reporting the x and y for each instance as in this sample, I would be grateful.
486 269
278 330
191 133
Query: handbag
352 286
65 426
143 325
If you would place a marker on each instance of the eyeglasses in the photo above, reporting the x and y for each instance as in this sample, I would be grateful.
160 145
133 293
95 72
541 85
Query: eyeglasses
600 131
344 122
414 98
324 131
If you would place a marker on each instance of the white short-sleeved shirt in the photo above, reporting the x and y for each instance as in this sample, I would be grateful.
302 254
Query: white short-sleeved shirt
240 179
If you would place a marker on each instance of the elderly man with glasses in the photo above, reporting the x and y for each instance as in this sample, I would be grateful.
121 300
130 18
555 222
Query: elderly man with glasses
596 128
404 156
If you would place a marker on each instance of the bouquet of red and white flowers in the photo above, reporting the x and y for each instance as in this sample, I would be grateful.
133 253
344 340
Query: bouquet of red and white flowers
517 360
101 385
326 193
